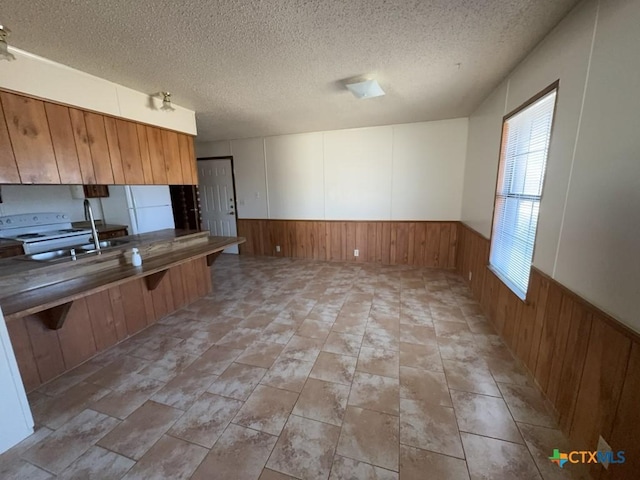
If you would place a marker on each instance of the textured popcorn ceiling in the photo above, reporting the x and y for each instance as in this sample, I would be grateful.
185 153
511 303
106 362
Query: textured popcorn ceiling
272 67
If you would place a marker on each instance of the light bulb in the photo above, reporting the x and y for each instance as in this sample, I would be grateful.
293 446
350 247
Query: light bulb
166 102
5 54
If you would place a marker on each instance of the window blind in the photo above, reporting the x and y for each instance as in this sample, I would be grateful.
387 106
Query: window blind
523 159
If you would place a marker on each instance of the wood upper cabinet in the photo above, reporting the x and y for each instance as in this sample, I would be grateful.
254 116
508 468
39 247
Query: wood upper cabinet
130 152
26 122
8 168
172 160
83 148
43 142
64 144
99 147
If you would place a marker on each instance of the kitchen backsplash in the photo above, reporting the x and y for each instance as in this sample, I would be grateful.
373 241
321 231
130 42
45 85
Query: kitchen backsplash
18 199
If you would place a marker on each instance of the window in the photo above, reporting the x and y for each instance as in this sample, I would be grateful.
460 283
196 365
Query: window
523 158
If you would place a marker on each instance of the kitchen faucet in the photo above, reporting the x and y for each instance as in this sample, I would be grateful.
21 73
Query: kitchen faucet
88 215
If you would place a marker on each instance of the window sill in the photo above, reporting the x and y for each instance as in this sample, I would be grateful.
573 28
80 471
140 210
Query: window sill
522 295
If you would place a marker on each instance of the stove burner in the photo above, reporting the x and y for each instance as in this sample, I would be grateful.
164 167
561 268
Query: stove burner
70 230
29 235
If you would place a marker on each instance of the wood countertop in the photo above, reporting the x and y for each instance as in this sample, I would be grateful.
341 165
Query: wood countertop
47 286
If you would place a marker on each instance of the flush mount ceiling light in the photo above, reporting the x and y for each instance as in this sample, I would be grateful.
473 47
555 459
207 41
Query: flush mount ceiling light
4 52
167 106
365 89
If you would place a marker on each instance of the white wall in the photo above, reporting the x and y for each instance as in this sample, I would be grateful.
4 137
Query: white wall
589 228
396 172
37 76
17 199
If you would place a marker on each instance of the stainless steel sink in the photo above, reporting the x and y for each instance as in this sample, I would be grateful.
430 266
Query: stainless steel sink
103 244
67 253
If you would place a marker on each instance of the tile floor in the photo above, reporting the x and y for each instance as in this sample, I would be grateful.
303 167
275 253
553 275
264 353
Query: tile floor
300 369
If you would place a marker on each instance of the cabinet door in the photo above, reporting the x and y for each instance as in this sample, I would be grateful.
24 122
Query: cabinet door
64 145
144 154
130 152
194 161
156 154
172 157
8 168
82 146
29 134
114 150
185 159
99 148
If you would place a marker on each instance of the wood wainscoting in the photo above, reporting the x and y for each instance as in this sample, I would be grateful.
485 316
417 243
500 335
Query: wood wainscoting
425 244
99 321
585 362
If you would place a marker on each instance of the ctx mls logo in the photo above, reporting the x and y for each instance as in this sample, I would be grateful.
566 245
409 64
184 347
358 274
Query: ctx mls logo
584 456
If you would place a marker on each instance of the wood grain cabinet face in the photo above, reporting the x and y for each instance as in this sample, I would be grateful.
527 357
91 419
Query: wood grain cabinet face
64 145
172 161
156 155
28 129
82 146
185 159
114 150
99 147
130 152
145 154
8 168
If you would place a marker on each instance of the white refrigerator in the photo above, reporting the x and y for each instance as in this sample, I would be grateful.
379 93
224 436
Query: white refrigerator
143 208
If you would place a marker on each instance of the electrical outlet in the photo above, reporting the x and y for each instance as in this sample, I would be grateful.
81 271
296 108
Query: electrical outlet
356 253
470 275
277 248
603 446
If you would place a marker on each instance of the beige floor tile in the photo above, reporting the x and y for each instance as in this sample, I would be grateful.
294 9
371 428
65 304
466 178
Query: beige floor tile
445 328
417 464
473 377
541 442
15 452
426 357
137 434
423 385
430 427
332 367
279 332
215 360
155 348
240 454
491 459
239 338
371 437
381 339
205 421
305 449
267 409
58 450
97 464
183 390
202 340
302 348
508 371
54 412
348 469
69 379
273 475
384 321
20 469
526 405
375 392
447 313
343 344
260 354
258 320
168 458
379 362
170 365
459 347
352 325
484 415
314 329
237 381
420 335
128 397
113 373
288 374
322 401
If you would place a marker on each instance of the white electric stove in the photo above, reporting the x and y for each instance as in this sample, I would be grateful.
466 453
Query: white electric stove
43 232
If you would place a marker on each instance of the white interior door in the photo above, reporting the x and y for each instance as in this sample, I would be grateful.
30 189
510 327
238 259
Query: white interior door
217 199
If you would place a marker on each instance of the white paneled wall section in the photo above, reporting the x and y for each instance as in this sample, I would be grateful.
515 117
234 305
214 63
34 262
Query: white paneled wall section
396 172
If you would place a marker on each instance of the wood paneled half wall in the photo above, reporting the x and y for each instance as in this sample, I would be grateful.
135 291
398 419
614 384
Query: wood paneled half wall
586 363
426 244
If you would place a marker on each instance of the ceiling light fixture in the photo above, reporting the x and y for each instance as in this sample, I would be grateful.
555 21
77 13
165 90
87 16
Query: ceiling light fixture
365 89
167 106
5 54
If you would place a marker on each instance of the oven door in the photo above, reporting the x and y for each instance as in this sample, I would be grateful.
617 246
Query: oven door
56 243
